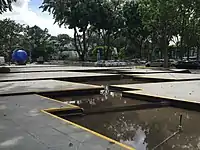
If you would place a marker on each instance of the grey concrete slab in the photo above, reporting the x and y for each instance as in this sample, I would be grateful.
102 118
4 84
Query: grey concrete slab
186 91
42 86
60 68
17 139
50 75
31 66
149 71
25 127
166 76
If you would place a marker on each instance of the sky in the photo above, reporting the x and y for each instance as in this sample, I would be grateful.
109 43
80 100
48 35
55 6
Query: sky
28 12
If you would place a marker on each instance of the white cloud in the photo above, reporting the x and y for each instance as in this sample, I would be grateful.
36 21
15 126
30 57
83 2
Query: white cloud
22 13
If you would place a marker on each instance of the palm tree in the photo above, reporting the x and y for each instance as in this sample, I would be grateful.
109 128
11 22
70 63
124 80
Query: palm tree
6 5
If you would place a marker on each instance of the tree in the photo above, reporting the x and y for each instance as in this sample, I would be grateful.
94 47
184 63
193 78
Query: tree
160 17
81 15
63 40
134 30
108 20
188 26
38 41
6 5
10 32
76 15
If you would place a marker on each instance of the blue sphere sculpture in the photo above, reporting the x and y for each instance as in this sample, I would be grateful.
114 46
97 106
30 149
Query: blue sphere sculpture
20 56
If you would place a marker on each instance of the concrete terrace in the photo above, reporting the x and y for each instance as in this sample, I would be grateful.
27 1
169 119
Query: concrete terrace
165 76
149 71
60 68
43 87
185 91
5 77
27 120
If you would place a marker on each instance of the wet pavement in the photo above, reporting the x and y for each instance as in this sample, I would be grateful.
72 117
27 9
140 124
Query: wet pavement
6 77
43 86
144 129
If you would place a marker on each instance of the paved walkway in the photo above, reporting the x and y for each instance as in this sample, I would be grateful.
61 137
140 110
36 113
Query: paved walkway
43 86
24 127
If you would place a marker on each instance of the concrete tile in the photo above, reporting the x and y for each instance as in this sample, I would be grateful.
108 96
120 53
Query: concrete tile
167 76
84 146
81 136
66 128
31 87
49 75
189 91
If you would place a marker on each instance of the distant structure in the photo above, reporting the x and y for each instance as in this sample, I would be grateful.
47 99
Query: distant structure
19 57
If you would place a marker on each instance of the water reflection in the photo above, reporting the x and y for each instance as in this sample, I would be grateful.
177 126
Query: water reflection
106 98
145 129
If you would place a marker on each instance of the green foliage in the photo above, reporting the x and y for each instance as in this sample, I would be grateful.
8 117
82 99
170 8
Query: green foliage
36 41
103 49
142 29
6 5
105 16
166 19
10 32
76 14
122 54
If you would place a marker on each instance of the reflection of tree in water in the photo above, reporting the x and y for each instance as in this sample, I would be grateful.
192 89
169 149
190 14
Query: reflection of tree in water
129 128
124 130
146 128
94 101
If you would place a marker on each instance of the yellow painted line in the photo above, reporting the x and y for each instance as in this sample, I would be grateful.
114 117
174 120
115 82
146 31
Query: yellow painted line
144 67
74 106
88 130
47 111
60 109
140 67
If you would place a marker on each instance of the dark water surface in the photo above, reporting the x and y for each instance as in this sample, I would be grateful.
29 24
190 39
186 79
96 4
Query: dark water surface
141 129
100 101
144 129
114 82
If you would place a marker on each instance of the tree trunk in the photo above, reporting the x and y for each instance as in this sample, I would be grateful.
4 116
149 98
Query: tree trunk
188 53
165 48
166 57
181 48
198 52
104 43
75 41
108 47
82 57
76 45
84 44
141 49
